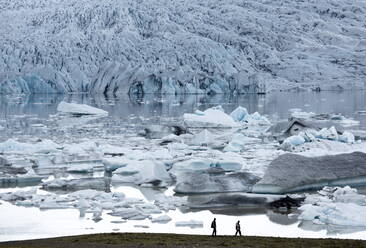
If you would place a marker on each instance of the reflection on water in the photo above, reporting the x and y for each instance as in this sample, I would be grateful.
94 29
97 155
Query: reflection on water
33 116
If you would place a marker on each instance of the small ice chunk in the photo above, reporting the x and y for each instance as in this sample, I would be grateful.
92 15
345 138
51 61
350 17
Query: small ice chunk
161 219
347 137
205 137
81 168
239 113
113 163
190 223
79 109
295 140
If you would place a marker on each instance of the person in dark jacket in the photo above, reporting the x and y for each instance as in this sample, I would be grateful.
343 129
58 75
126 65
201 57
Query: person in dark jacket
213 226
237 228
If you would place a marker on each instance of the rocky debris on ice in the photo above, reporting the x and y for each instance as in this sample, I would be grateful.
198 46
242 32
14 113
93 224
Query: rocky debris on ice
200 182
190 223
98 183
335 206
145 172
160 131
79 109
15 147
287 202
292 172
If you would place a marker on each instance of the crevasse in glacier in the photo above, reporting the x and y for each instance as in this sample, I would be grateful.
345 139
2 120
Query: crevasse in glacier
162 46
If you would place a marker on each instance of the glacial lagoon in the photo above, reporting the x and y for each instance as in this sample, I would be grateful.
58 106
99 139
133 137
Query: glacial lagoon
31 118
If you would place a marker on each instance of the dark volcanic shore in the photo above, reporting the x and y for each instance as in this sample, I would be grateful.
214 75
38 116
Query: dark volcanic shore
134 240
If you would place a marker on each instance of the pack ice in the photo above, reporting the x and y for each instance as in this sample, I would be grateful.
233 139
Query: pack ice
335 206
159 46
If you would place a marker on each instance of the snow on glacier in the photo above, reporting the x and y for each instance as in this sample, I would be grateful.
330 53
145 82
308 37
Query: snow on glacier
161 46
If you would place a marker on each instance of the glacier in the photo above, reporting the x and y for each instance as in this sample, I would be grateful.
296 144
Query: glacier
172 47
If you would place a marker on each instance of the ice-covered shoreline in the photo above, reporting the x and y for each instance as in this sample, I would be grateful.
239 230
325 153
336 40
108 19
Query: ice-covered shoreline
170 47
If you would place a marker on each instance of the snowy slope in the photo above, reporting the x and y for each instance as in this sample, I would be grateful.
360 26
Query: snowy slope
181 46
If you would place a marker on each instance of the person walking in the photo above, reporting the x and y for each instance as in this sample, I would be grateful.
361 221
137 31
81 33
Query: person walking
213 226
237 227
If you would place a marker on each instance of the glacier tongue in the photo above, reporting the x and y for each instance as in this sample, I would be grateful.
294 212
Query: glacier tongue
160 46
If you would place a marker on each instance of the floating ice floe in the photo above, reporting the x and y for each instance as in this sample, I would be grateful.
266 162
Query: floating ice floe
160 131
311 135
114 163
79 109
190 223
206 164
291 172
216 117
161 219
207 201
335 206
204 137
10 175
81 168
199 182
336 118
239 114
146 172
212 117
238 142
43 146
75 184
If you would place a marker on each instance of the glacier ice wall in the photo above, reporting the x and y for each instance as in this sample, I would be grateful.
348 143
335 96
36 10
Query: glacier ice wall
181 46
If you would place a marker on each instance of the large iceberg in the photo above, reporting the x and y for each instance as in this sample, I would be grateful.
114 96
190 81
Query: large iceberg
292 172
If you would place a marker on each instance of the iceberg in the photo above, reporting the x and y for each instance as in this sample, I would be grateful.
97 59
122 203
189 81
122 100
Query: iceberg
75 184
190 223
43 146
292 172
161 219
196 182
239 114
206 164
143 172
210 118
114 163
79 109
335 206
